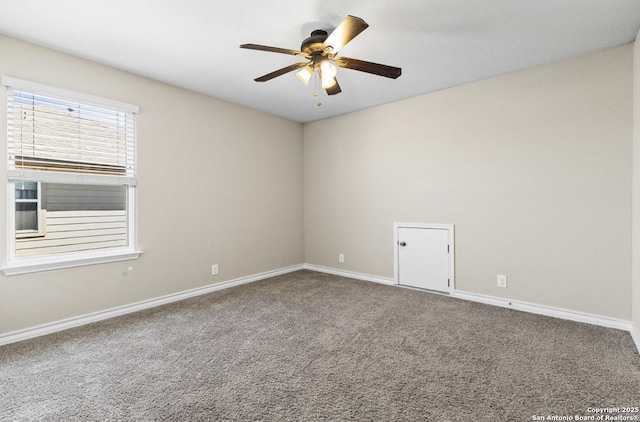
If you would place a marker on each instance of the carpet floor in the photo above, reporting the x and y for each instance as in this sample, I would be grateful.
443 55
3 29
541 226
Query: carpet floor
307 346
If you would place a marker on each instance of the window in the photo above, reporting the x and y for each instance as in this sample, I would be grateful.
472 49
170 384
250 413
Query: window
28 209
71 170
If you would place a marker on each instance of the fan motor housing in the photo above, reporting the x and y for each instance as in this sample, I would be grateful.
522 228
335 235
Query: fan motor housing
313 44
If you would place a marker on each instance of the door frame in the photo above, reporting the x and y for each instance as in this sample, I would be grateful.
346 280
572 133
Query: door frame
452 249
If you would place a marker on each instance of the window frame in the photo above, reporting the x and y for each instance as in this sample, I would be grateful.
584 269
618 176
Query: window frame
21 265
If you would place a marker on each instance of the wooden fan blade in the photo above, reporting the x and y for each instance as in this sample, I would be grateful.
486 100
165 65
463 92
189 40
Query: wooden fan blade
280 72
274 50
334 89
348 29
369 67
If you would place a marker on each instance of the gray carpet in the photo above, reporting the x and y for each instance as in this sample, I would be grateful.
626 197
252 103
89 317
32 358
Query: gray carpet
311 346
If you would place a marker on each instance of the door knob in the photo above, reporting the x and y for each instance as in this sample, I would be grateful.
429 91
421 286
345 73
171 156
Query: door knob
402 243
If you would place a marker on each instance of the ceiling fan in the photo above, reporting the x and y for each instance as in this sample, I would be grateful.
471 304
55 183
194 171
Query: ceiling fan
321 50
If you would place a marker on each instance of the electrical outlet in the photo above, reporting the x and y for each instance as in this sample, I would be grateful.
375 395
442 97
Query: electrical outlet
502 280
214 269
341 258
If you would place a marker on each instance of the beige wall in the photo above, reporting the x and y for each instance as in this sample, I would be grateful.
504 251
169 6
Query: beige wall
636 184
218 183
533 168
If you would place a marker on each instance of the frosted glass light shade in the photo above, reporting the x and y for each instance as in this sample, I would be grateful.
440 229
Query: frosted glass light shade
328 70
305 74
328 74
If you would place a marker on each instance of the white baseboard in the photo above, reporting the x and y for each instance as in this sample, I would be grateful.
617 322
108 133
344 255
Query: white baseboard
533 308
53 327
635 334
350 274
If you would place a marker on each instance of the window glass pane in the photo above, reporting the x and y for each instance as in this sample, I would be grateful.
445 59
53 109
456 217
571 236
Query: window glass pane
78 218
71 197
26 190
26 216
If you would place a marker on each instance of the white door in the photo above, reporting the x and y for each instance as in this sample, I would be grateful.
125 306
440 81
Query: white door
423 258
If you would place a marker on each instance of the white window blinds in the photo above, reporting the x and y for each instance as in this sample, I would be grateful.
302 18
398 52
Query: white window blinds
53 137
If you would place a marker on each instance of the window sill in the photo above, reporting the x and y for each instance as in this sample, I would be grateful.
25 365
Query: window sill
32 265
30 234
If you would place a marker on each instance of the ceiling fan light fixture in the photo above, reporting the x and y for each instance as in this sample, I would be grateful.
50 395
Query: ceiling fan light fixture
328 69
305 74
328 73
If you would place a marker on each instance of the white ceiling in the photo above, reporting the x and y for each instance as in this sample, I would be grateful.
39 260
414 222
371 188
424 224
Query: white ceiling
438 43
